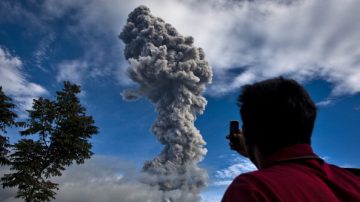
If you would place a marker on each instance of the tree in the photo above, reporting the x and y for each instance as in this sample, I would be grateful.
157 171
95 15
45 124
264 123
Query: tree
7 119
62 130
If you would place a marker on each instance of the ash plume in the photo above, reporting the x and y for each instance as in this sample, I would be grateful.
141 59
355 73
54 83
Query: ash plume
172 74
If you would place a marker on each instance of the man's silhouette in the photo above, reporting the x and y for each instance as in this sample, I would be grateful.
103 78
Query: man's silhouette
278 117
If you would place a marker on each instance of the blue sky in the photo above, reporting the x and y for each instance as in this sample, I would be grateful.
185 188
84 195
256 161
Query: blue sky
43 43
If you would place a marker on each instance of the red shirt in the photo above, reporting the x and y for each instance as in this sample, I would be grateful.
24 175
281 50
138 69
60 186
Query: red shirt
295 174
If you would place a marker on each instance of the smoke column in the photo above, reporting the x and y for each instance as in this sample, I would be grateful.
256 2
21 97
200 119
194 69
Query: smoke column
172 74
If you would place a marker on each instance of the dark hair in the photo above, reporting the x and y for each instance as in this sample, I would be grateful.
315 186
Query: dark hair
276 113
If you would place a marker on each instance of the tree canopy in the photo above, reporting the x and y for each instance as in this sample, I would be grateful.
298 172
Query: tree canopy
56 134
7 119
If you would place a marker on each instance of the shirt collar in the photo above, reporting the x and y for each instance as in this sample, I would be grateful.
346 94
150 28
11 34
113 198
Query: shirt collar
291 153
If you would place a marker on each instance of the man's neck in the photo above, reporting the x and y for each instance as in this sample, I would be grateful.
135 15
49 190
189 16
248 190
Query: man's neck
255 156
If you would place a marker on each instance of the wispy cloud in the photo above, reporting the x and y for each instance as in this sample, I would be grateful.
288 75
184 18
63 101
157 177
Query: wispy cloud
73 70
357 108
40 55
326 102
15 82
14 12
84 24
96 26
340 162
237 166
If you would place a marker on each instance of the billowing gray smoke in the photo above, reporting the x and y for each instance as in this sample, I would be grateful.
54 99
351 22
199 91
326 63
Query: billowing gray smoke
172 74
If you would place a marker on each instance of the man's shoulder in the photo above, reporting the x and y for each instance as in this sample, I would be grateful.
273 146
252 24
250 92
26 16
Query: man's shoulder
279 175
266 176
263 173
251 179
244 188
277 182
251 186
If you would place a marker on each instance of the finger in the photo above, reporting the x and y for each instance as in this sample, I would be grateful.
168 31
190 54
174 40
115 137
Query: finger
233 147
232 137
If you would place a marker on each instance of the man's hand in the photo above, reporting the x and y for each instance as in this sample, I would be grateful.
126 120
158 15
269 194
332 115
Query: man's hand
237 142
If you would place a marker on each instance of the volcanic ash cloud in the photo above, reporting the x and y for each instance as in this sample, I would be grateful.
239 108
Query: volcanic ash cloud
172 74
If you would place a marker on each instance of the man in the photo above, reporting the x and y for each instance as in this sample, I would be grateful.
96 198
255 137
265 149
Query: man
278 117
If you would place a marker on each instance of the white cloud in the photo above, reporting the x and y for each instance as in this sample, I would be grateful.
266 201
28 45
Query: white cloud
73 70
14 81
82 70
105 179
305 40
96 25
238 165
326 102
102 178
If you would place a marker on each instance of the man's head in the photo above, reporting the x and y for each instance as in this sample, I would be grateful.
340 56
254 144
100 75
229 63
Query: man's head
276 113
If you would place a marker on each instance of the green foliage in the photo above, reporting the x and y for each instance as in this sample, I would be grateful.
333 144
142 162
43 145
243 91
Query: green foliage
27 162
62 130
7 119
